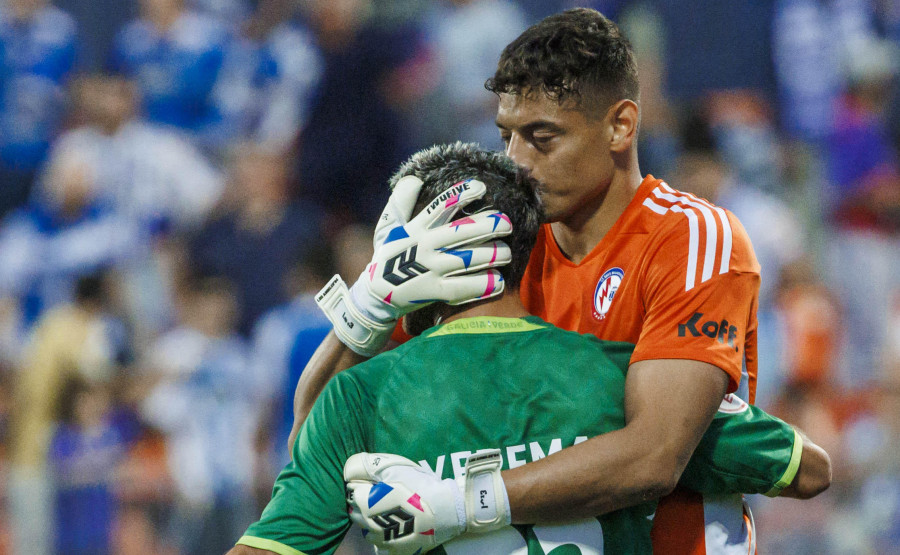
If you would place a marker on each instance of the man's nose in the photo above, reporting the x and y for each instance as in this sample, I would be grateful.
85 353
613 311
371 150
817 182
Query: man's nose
517 150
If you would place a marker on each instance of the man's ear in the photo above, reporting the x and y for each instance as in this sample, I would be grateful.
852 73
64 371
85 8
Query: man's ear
624 117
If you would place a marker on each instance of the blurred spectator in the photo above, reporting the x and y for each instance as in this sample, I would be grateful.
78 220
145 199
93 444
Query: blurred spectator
174 55
37 52
77 341
85 453
865 171
207 403
812 320
151 174
151 177
354 136
284 339
66 231
258 235
864 163
871 443
270 73
466 38
807 67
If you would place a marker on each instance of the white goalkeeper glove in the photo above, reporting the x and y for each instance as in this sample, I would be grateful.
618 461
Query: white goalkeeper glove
419 261
405 509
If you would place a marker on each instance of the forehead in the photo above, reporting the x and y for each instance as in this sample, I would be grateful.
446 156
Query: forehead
521 110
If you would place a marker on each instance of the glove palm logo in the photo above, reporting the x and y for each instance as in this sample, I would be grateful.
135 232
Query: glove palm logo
396 523
407 267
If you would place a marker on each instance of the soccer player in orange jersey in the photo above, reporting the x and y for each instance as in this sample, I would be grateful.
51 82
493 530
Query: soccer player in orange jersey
623 257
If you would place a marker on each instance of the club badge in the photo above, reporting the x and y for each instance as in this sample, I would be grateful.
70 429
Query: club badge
606 290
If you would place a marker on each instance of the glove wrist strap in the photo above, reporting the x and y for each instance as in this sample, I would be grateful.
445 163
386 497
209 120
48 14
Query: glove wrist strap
487 503
361 334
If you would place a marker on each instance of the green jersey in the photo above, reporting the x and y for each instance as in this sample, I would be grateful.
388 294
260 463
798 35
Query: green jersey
517 384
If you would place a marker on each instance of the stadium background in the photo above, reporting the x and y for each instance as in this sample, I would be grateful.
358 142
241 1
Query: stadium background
178 178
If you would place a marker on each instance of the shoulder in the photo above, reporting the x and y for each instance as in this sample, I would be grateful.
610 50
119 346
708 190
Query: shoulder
710 237
586 345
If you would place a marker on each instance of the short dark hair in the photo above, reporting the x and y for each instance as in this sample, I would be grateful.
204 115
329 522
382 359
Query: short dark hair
508 191
577 55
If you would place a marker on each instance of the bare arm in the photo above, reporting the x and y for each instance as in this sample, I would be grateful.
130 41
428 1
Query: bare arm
668 406
331 357
814 475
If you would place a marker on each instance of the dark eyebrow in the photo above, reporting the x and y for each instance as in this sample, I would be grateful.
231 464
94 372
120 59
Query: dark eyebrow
542 125
533 126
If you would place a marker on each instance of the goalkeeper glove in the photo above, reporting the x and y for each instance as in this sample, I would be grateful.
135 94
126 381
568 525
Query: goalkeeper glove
417 262
405 509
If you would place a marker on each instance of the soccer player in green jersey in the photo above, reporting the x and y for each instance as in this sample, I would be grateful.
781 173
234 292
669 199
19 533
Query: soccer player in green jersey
487 377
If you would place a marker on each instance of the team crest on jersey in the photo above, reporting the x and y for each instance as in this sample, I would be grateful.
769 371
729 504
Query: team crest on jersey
606 290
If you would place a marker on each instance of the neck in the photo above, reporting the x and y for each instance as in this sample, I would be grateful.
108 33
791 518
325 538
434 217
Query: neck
578 234
508 305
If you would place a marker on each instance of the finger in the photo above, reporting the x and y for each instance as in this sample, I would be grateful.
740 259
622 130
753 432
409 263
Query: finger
357 468
368 466
358 493
479 227
473 287
443 207
472 258
400 204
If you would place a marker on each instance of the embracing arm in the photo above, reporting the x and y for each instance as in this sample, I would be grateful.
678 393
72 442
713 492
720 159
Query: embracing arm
668 403
331 357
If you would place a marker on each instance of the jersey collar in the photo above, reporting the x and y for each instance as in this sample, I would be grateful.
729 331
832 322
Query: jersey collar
623 222
487 324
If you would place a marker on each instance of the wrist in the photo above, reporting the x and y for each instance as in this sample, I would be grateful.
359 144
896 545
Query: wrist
355 327
485 496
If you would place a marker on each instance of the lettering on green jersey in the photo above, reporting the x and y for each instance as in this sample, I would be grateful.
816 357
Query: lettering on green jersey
515 456
486 324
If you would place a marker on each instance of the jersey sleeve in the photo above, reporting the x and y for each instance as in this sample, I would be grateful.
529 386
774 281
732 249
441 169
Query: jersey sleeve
699 291
308 511
745 450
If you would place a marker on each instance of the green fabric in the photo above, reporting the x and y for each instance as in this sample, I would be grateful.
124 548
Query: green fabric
792 468
273 546
442 396
746 452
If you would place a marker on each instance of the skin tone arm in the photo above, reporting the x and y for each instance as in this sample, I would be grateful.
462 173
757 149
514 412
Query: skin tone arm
331 357
668 406
814 474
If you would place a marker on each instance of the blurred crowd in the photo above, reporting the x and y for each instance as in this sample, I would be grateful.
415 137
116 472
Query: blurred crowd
179 177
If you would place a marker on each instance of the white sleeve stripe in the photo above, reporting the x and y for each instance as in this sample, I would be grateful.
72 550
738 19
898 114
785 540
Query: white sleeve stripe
726 230
693 245
709 259
726 240
655 207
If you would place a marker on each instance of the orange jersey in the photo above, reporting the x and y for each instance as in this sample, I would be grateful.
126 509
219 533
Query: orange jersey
677 277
